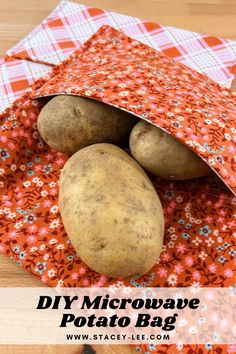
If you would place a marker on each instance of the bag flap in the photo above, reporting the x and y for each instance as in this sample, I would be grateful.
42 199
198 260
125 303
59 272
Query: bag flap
120 71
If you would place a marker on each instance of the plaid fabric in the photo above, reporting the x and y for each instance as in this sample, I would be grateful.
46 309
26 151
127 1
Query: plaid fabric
70 25
16 76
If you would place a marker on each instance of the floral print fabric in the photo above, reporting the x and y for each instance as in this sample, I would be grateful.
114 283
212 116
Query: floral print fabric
118 70
199 248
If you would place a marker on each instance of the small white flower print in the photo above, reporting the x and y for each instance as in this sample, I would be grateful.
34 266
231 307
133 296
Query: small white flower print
227 136
197 241
203 255
211 161
46 257
35 180
60 246
11 215
53 241
44 193
52 184
27 184
60 283
201 149
171 244
35 134
209 241
190 142
6 210
18 225
172 279
51 273
33 249
54 224
179 199
163 248
54 209
123 93
219 239
173 237
171 229
122 85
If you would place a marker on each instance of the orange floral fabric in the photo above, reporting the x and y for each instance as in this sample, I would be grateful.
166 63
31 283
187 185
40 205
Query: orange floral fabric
199 247
120 71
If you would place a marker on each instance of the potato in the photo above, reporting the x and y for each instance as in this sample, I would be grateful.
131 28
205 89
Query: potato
69 123
163 155
111 211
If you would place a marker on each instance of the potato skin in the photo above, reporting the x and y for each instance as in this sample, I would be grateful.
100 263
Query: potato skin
69 123
163 155
111 211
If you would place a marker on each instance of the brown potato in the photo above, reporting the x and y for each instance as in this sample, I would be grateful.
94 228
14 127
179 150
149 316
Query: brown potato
111 211
163 155
69 123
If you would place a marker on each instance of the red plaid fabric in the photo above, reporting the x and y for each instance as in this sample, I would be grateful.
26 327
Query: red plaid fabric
16 76
70 25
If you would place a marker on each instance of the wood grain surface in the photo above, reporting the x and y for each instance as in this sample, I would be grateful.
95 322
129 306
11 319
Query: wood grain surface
19 17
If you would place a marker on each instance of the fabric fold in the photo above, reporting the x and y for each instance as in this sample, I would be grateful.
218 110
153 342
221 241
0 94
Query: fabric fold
115 69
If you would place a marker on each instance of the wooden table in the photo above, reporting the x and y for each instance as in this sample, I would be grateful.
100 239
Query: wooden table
19 17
